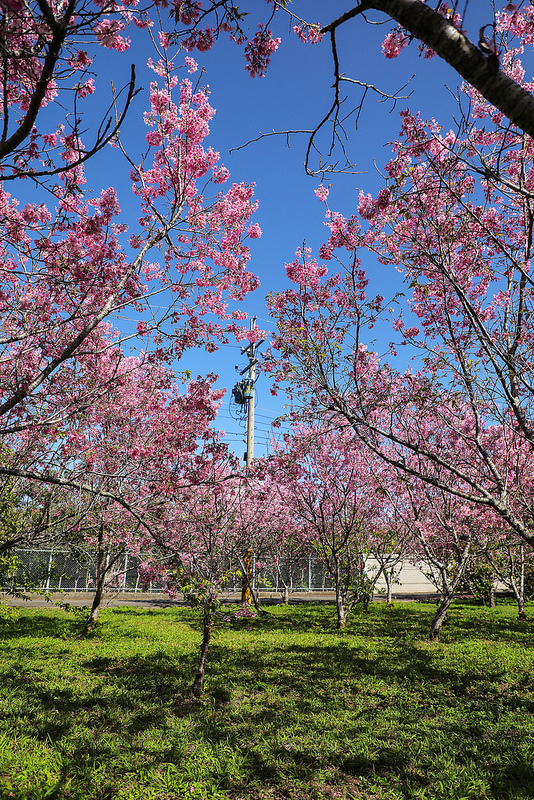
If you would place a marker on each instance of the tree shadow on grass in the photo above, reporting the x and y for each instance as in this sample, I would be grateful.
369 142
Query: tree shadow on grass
274 704
502 764
54 624
495 624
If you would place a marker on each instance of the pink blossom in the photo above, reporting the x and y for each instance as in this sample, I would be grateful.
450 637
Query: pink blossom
258 52
311 34
322 193
305 270
188 11
79 60
191 64
164 39
143 22
201 40
221 174
254 231
86 88
107 32
394 42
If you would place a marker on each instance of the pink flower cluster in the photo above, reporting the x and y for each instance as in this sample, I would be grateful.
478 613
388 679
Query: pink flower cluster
369 208
201 40
305 270
187 11
254 231
258 52
394 42
311 34
322 193
107 32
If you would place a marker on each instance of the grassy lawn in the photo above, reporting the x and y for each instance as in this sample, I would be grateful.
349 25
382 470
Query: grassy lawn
292 708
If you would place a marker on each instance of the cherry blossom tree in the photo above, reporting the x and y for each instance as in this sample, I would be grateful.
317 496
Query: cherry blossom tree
196 543
332 491
136 446
511 563
476 56
455 217
66 270
257 518
45 63
287 542
443 533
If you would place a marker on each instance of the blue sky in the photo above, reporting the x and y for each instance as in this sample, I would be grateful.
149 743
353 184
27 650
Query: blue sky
295 94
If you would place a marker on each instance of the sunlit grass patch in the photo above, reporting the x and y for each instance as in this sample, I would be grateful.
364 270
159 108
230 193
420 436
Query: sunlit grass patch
292 708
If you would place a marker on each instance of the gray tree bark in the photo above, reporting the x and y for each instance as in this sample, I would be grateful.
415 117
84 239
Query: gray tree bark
198 683
440 616
479 70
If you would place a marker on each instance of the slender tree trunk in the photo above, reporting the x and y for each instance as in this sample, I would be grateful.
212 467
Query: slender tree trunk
102 564
285 595
521 599
440 615
246 561
448 592
249 595
198 683
492 597
341 610
389 587
518 587
92 619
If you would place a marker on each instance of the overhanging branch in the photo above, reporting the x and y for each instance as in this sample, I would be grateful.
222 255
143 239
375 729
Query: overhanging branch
450 44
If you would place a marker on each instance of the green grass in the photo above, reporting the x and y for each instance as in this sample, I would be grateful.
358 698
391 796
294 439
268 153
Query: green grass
292 708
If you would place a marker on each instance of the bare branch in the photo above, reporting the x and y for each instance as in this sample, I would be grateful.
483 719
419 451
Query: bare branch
450 44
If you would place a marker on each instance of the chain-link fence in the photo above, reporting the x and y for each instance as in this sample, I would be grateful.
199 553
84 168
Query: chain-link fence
75 571
64 570
297 575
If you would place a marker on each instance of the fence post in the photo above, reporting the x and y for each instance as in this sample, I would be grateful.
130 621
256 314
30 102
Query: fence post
49 570
309 574
125 572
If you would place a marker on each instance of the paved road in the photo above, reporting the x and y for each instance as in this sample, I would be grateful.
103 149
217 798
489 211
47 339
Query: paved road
158 600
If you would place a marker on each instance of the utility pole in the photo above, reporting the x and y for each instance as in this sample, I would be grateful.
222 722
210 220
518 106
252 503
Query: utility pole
244 392
249 397
251 352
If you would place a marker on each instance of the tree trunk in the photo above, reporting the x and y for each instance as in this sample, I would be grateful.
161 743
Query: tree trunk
246 562
492 597
92 620
518 587
439 617
521 599
389 587
198 683
341 611
285 595
454 47
102 564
